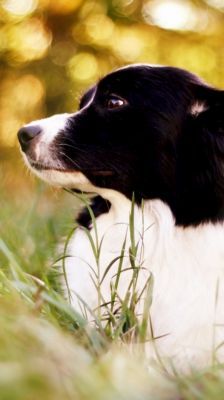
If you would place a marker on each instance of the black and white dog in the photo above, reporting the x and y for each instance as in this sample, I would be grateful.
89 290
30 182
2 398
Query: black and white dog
157 132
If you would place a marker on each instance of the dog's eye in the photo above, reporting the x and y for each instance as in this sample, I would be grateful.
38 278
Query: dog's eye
115 102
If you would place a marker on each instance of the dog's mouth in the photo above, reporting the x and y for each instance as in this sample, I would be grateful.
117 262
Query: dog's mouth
39 166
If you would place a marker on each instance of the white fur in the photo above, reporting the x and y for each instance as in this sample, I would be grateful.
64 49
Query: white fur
187 266
65 179
49 130
198 107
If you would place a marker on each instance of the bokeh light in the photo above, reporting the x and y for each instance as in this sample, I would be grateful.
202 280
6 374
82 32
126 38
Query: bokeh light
64 6
216 3
171 14
100 29
21 7
83 67
129 44
28 41
28 93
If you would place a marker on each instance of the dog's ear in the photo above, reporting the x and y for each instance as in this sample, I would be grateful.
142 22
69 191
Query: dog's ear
207 111
201 157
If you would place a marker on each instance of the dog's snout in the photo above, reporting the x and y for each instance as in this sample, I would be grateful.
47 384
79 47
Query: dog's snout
26 134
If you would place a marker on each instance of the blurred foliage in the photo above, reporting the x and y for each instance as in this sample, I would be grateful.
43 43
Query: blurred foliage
51 50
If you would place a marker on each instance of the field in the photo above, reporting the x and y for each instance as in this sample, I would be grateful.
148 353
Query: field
46 349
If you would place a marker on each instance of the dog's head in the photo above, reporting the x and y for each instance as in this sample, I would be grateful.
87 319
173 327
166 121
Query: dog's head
156 131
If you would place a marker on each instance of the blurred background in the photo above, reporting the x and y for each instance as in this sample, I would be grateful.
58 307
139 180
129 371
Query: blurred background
52 50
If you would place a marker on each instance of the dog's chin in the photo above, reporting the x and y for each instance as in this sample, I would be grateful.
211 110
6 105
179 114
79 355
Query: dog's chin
65 179
58 176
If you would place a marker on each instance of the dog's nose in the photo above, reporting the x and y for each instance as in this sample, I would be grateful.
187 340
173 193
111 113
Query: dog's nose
26 134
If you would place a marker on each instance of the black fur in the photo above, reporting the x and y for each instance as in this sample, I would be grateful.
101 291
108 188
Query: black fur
98 205
153 145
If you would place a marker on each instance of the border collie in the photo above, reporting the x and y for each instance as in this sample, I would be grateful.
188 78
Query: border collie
157 132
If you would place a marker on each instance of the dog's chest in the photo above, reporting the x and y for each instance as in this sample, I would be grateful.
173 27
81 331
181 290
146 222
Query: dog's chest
187 266
110 245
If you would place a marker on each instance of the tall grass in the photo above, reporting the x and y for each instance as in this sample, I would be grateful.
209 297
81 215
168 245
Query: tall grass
47 349
117 316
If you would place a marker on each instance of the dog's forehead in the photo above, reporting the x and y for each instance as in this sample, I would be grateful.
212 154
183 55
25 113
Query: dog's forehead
133 75
123 79
139 76
123 74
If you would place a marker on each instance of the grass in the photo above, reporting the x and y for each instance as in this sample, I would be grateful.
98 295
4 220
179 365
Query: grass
47 350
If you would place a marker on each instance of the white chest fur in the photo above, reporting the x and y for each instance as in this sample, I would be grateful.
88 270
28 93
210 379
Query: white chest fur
187 266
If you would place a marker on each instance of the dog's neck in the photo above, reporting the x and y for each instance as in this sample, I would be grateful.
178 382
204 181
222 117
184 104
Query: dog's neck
120 204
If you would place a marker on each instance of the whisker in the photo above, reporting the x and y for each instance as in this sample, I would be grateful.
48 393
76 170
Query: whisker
71 146
72 161
108 166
